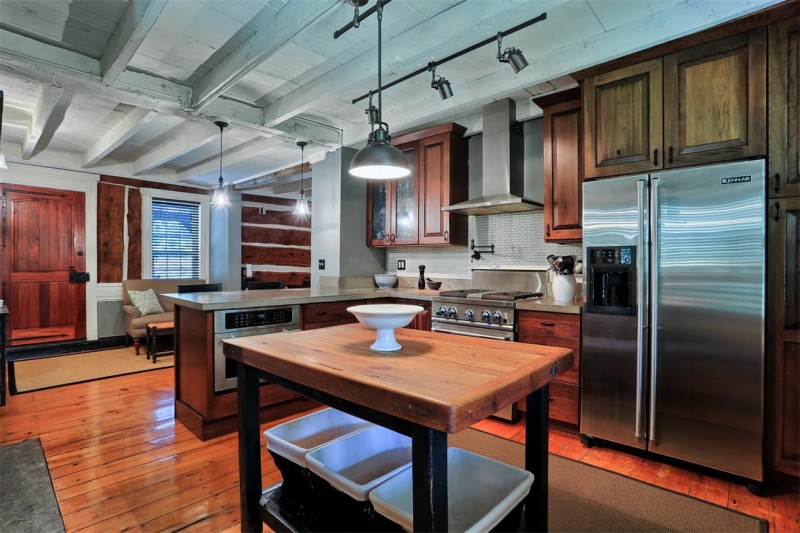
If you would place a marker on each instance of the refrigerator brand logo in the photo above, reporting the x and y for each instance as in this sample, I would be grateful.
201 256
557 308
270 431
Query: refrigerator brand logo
735 179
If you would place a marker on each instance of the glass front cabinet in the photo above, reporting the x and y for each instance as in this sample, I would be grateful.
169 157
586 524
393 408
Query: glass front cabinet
408 211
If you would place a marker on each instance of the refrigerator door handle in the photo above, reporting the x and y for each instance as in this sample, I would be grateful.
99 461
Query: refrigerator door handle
642 282
654 304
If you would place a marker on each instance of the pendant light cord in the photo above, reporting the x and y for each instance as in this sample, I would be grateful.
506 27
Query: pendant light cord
220 154
380 39
302 149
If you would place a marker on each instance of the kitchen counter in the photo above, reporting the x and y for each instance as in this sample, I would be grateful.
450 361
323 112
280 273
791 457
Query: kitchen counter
550 305
215 301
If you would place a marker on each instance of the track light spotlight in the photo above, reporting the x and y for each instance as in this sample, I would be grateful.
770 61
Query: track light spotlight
439 83
512 56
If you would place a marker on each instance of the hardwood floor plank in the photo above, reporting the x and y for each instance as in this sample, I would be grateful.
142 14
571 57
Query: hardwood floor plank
119 461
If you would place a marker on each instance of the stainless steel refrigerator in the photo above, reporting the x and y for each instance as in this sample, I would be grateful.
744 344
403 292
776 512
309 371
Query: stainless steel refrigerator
672 356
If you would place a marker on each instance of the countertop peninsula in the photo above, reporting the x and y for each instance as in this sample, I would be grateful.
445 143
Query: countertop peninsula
223 300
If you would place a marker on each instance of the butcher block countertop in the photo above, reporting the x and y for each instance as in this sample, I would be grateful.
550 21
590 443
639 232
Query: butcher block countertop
443 382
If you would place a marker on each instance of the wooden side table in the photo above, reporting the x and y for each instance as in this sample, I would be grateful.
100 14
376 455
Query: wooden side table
154 329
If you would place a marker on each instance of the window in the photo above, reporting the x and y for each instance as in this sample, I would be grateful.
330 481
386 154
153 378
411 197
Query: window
174 235
175 241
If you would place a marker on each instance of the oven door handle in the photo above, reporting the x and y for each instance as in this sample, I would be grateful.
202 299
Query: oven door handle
508 337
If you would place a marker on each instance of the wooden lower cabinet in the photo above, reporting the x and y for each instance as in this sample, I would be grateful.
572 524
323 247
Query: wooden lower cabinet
783 337
562 330
327 314
206 413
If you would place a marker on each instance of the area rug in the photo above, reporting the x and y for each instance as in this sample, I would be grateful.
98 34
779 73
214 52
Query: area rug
27 499
585 498
36 374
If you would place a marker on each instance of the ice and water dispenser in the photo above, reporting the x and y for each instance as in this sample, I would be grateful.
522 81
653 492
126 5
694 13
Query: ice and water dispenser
610 280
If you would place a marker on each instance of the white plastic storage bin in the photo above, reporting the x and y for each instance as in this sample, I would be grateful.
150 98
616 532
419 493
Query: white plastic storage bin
480 492
294 439
357 463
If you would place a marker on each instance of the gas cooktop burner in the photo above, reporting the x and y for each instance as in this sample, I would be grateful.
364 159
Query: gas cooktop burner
461 293
510 295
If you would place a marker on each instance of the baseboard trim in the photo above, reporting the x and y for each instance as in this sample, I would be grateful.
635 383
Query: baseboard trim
37 351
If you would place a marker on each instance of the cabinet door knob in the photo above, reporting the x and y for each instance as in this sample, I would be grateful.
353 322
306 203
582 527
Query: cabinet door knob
655 156
446 235
547 230
392 238
322 313
386 238
548 324
670 154
777 211
777 182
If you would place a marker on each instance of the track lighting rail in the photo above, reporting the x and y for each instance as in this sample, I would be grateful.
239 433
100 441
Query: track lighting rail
357 20
426 68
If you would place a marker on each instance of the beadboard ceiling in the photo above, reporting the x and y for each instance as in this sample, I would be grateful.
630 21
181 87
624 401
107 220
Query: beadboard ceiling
131 87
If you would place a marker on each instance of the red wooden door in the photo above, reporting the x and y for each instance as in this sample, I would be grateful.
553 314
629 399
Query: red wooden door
43 241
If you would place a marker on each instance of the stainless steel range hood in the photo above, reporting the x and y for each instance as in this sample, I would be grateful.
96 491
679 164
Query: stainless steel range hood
503 165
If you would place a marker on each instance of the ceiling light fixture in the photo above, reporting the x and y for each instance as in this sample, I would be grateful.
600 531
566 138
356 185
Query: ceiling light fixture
220 197
511 56
439 83
518 58
379 159
301 207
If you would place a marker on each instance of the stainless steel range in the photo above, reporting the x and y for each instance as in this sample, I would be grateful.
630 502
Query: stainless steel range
487 313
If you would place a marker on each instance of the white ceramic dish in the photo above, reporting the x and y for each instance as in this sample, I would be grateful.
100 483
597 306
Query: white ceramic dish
385 318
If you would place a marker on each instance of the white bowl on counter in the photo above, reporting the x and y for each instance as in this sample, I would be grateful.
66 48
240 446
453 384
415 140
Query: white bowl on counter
385 318
385 281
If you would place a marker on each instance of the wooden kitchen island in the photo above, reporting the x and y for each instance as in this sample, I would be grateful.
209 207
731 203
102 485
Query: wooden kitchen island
435 385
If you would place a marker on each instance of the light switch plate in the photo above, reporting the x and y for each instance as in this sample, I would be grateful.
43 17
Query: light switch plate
401 264
322 264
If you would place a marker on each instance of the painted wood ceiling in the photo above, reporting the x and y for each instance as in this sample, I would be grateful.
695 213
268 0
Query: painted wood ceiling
131 87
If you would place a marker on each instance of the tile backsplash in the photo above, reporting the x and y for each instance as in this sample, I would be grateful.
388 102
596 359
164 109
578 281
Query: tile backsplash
518 244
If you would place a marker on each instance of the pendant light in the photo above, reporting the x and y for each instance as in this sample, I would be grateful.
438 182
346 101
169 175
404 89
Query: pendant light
220 197
301 207
379 159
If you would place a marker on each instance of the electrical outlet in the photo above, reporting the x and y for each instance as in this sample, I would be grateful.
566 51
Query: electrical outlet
322 264
401 264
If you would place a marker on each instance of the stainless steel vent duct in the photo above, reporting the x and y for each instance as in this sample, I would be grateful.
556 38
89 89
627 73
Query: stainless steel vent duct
502 178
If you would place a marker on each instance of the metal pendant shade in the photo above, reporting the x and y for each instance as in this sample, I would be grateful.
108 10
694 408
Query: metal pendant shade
379 159
220 197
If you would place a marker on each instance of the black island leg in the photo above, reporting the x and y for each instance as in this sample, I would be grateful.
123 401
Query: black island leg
249 448
536 456
429 479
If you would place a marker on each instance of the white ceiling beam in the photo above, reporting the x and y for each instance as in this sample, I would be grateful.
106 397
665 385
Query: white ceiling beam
121 132
136 22
250 117
274 31
50 109
415 48
241 153
181 144
263 180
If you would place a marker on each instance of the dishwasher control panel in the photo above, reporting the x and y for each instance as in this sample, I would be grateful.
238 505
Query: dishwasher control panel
259 317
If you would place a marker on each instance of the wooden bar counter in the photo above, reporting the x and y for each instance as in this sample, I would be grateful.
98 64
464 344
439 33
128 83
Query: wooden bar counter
435 385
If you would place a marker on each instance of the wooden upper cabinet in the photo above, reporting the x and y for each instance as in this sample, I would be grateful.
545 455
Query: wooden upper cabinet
408 211
715 101
703 104
784 108
622 120
563 171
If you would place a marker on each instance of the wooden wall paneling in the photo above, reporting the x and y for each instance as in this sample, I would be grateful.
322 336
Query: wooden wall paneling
134 220
271 255
286 237
110 232
252 215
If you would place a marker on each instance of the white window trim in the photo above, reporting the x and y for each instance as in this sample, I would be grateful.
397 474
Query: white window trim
147 227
